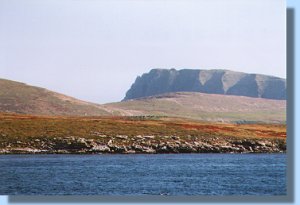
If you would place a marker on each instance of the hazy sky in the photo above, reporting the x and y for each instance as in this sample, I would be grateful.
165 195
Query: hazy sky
94 49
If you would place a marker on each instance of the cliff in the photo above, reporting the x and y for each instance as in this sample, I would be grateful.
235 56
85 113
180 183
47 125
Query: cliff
159 81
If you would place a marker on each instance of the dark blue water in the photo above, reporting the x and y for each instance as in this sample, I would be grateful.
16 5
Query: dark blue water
170 174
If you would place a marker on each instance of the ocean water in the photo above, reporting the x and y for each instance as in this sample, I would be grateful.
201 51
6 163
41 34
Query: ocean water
137 174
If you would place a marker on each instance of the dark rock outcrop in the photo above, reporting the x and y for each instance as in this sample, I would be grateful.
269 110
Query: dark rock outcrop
159 81
144 144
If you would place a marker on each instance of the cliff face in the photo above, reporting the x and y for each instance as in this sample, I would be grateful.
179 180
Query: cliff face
159 81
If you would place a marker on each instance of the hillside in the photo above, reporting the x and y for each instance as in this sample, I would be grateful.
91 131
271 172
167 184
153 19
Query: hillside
18 97
211 107
159 81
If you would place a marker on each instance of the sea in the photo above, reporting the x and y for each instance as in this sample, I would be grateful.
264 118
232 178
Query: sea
144 174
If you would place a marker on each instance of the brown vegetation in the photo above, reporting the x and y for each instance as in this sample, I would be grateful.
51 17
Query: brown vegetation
49 132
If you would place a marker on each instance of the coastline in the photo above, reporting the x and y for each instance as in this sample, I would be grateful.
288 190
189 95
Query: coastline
25 134
145 145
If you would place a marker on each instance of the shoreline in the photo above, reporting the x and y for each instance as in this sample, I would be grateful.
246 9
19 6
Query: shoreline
80 153
72 145
74 153
127 135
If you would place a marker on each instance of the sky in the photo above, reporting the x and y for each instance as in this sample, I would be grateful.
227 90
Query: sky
94 49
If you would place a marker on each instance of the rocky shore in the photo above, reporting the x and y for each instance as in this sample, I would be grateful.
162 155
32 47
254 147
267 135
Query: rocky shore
122 144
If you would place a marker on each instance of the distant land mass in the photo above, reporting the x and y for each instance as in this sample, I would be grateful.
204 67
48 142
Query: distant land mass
16 97
36 120
206 107
225 82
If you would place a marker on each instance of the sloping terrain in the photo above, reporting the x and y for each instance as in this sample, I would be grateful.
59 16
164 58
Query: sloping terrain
211 107
18 97
159 81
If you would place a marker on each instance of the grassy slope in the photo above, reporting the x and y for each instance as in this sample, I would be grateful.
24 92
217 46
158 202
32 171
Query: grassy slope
25 128
209 107
21 98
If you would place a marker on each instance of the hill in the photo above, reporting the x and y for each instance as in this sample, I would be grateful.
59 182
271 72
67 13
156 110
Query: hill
159 81
18 97
211 107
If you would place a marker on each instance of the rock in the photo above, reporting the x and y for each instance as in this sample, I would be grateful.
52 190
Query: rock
186 149
100 148
4 151
196 143
147 143
82 141
70 143
90 141
98 134
144 144
163 149
206 148
241 148
110 142
162 81
142 149
226 148
139 137
149 137
177 142
175 137
149 150
261 143
62 151
118 149
26 150
130 152
71 138
137 148
124 137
